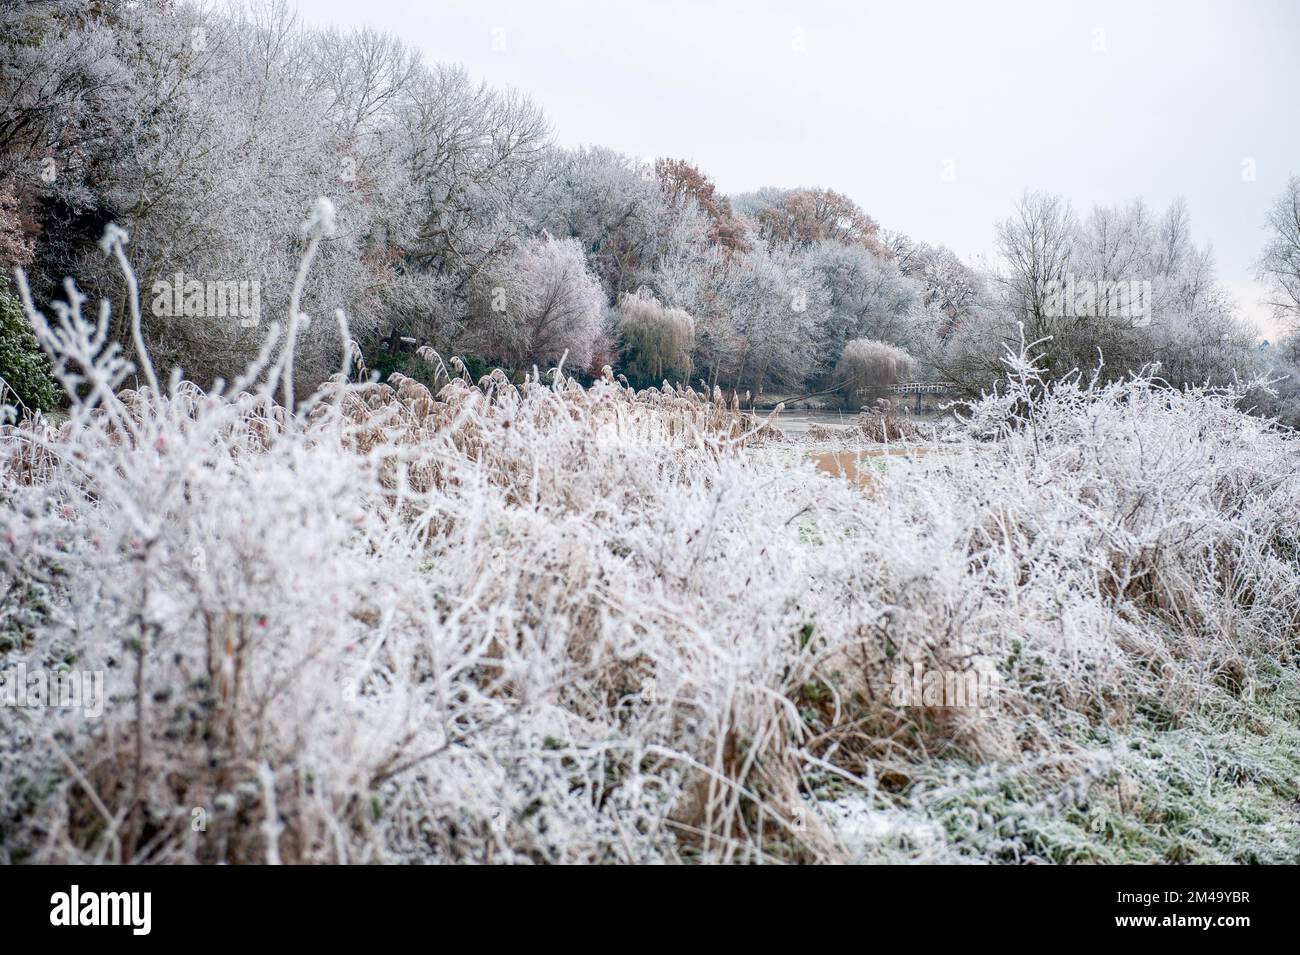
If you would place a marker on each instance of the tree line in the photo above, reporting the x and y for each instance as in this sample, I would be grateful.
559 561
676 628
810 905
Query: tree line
463 225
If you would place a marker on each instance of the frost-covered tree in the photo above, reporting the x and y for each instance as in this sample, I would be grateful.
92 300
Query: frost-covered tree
472 155
1036 244
615 208
234 146
781 305
1059 278
866 368
699 282
869 298
761 318
657 340
803 217
949 287
210 132
683 182
66 116
538 305
60 78
1280 264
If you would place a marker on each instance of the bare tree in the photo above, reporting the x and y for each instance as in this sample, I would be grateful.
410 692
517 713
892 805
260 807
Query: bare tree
471 152
1280 264
1036 243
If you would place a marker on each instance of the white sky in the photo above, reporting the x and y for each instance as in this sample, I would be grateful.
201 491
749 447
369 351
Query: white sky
874 99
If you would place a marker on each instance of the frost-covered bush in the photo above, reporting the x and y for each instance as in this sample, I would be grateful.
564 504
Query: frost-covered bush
657 339
548 623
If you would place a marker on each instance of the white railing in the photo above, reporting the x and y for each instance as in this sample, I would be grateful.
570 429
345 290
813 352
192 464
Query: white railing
920 387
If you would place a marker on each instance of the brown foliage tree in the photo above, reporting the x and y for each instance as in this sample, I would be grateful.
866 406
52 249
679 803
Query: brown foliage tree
807 216
681 181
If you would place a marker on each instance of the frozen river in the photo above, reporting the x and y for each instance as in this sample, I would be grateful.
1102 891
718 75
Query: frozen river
798 422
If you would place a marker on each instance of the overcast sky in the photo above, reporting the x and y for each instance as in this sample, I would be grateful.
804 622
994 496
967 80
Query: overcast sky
933 116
